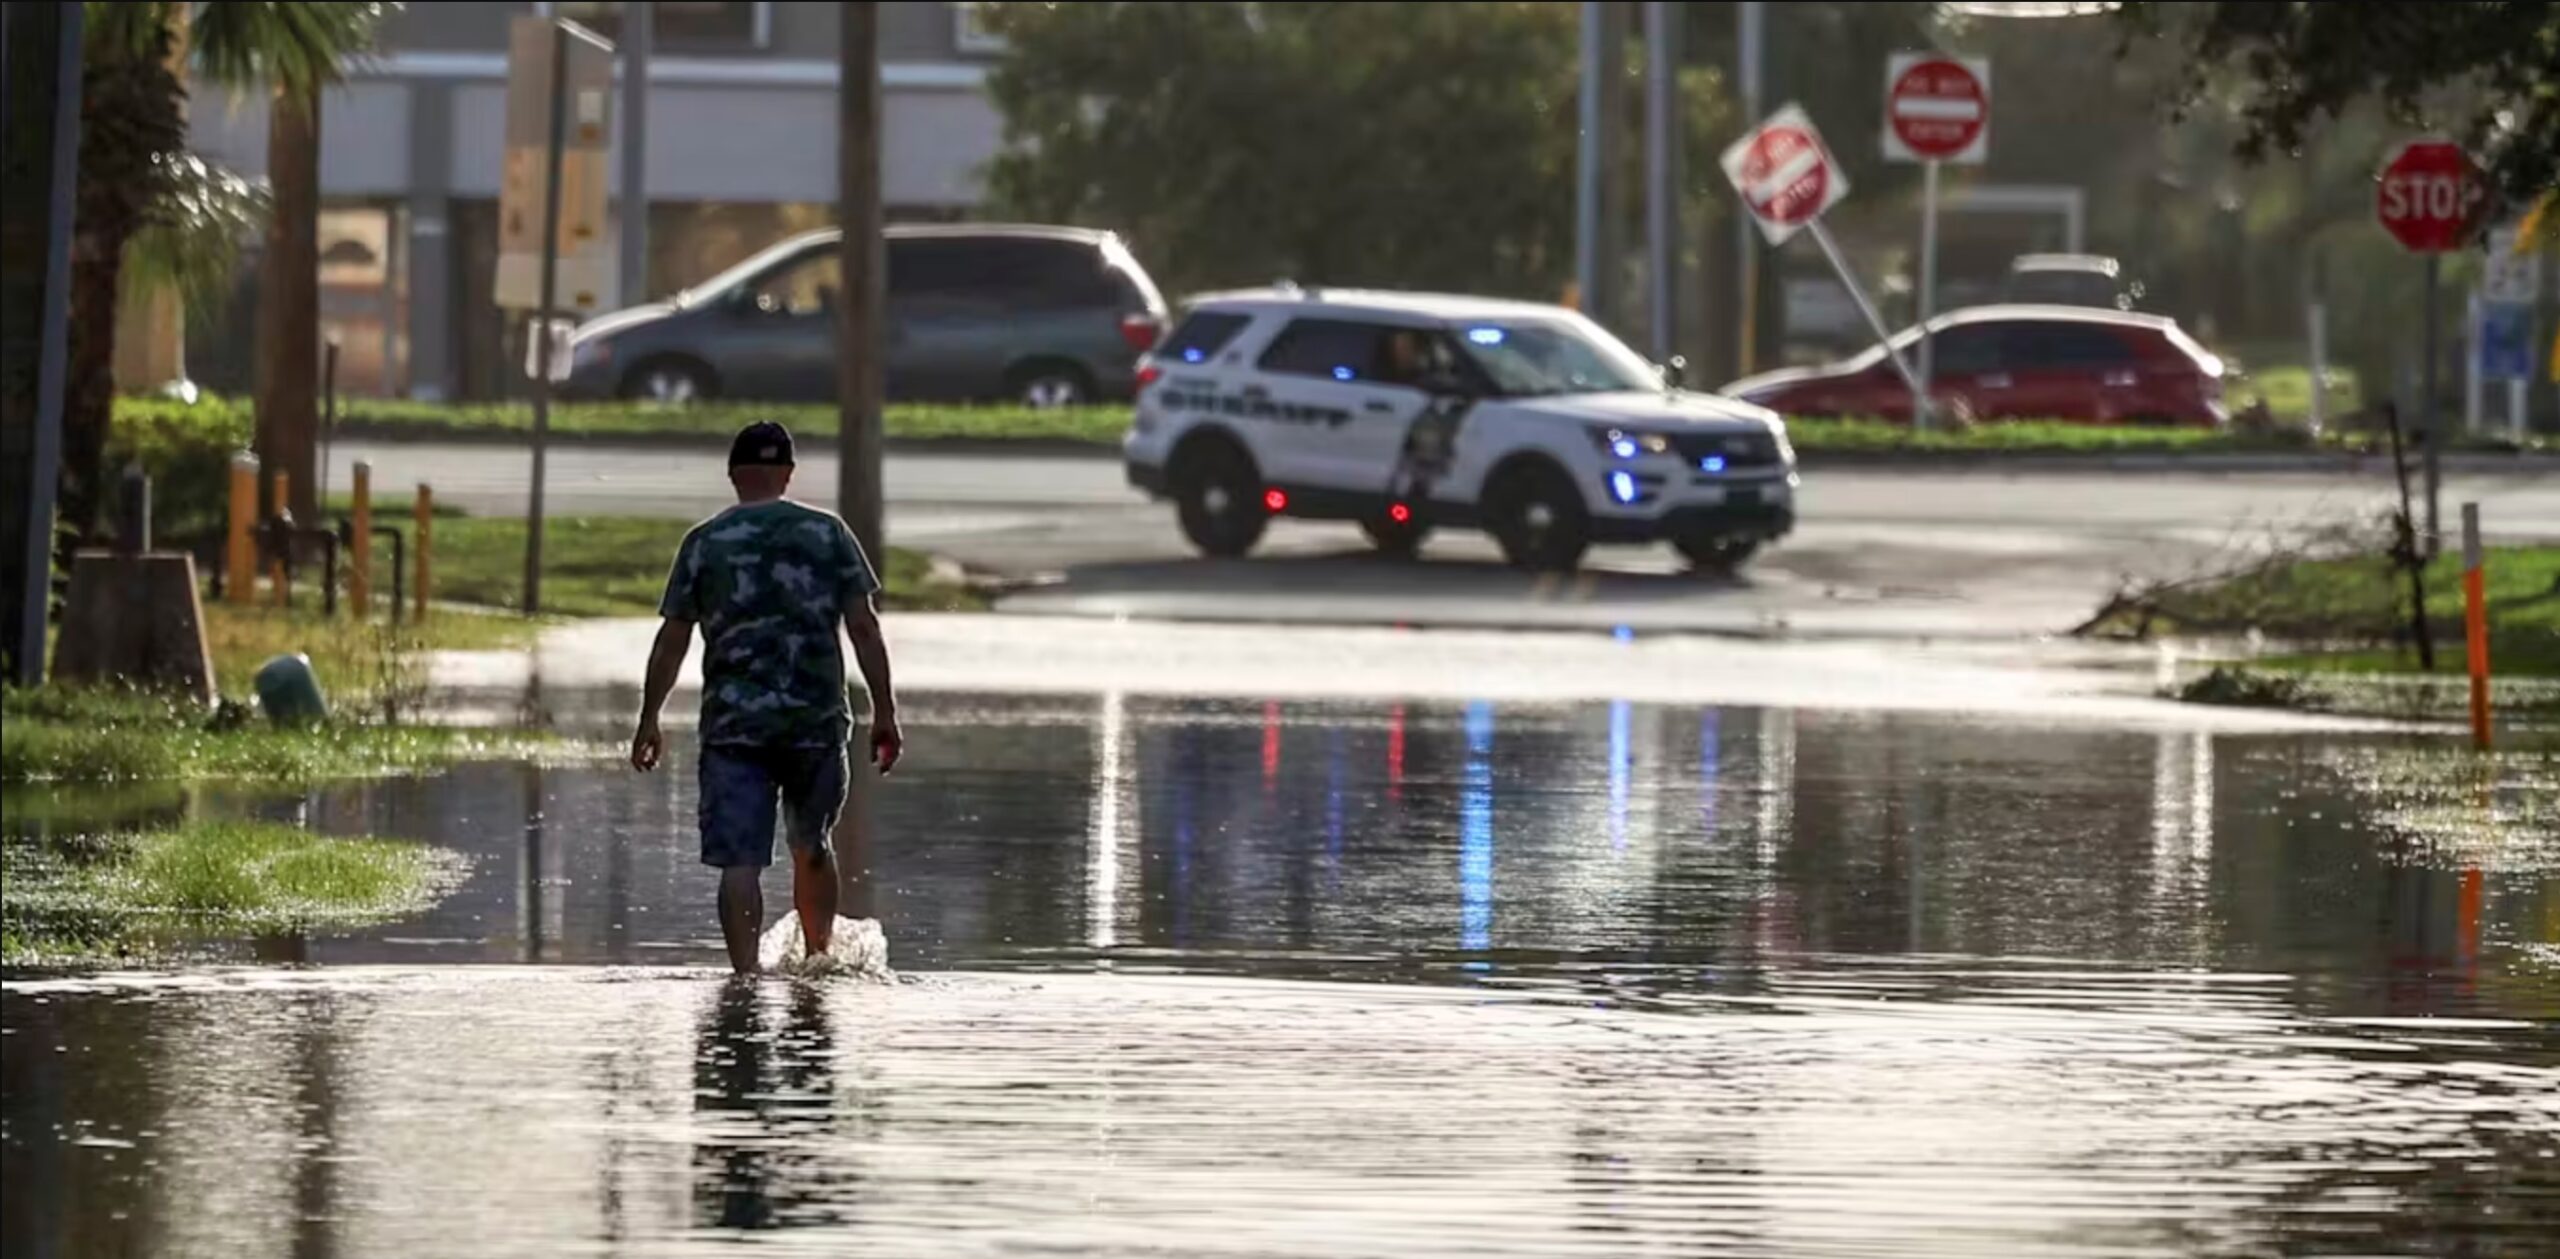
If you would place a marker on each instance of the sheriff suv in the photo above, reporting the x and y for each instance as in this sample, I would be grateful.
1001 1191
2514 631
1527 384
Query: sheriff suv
1405 412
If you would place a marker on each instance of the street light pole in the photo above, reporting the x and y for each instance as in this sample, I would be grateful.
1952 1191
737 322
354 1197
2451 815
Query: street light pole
639 20
1751 18
1662 174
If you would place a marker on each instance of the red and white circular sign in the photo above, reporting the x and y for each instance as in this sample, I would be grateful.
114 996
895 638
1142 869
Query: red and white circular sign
1784 176
2429 196
1937 108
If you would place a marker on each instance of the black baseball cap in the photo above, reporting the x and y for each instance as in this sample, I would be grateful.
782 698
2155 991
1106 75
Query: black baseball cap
762 444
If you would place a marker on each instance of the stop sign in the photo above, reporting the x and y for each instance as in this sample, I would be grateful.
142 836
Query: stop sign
1935 108
1785 175
2428 196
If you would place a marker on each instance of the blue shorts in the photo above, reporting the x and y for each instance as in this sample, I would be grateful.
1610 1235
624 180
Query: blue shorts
741 788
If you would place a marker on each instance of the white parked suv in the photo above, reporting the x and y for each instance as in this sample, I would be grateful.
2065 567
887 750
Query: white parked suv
1408 411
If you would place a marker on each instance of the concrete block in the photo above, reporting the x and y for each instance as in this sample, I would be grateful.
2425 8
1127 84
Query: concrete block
135 619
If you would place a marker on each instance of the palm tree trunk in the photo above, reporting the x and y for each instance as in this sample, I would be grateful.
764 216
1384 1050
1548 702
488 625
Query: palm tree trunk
289 303
88 400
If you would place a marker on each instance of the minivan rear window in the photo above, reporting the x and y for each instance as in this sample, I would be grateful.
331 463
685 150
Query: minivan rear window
1204 333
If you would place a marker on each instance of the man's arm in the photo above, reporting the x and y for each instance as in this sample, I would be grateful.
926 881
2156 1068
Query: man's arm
871 654
666 660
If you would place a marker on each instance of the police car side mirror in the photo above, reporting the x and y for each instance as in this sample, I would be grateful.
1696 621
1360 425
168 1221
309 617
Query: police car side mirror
1675 372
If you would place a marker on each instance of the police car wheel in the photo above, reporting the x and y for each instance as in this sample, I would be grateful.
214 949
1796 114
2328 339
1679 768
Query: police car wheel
1220 502
1391 538
1538 518
1716 555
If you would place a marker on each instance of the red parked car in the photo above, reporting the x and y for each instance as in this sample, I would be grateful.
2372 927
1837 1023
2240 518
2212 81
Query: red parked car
2018 362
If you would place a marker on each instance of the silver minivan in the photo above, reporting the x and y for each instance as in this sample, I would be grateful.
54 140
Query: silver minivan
1048 316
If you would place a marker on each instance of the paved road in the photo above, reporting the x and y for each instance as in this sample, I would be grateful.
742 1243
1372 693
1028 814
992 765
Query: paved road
1897 553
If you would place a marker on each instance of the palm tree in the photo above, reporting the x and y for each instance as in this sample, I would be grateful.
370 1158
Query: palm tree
143 200
294 50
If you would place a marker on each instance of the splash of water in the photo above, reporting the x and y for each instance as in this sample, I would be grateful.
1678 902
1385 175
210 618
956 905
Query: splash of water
855 948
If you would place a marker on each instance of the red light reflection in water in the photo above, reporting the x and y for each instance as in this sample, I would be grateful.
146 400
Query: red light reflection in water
1270 744
1395 753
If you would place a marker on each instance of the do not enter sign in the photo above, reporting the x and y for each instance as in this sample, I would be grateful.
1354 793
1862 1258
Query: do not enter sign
2429 196
1785 175
1936 108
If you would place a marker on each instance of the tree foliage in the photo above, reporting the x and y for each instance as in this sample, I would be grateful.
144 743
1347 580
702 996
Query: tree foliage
148 206
1408 145
2486 73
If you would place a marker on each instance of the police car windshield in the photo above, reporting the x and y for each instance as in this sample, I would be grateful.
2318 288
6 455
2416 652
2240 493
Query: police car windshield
1538 359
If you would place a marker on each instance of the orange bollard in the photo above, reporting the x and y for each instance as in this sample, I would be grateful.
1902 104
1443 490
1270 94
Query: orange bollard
240 540
425 543
2475 623
360 542
277 580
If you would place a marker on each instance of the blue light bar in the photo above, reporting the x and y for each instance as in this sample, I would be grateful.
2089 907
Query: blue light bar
1342 373
1485 336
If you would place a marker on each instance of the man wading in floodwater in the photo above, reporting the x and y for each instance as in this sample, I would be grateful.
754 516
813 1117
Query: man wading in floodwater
768 581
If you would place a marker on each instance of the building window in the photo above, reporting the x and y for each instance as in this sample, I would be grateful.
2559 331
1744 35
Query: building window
681 24
970 31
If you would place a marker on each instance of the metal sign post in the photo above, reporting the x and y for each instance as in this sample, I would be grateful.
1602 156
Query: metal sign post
538 324
1787 179
1858 294
1937 110
556 69
2428 198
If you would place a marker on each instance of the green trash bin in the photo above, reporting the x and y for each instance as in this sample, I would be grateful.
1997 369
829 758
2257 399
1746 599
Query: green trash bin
289 692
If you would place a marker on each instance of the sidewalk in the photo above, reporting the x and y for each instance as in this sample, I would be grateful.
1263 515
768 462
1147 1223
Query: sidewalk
959 655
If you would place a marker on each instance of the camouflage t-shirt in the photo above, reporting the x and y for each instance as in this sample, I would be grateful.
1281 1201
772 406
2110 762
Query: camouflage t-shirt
769 583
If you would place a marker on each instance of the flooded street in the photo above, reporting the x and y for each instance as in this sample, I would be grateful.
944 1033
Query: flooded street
1358 978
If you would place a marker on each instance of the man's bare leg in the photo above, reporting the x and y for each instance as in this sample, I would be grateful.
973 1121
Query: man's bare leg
741 915
814 893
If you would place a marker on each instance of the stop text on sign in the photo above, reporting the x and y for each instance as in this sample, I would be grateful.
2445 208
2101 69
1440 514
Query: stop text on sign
2423 196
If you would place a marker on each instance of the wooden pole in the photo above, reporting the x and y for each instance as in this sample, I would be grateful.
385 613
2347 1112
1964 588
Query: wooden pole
2475 623
282 498
859 383
424 529
240 542
360 542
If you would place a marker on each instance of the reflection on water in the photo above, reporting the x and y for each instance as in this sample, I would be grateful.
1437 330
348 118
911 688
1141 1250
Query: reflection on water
1638 977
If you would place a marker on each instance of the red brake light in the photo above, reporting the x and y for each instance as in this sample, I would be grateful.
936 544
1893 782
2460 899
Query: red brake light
1140 331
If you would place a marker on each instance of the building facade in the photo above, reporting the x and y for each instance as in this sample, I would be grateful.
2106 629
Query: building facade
741 151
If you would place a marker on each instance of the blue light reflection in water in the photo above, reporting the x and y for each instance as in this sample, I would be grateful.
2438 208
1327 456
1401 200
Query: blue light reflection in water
1475 832
1621 716
1710 768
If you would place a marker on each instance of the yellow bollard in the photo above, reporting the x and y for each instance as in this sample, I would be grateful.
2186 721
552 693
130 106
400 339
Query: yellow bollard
360 543
240 542
278 581
425 542
2475 623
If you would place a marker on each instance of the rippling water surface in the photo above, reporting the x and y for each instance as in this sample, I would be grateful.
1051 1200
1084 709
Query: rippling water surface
1195 979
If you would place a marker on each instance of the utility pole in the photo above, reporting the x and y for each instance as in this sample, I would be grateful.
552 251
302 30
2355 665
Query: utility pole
1590 173
39 163
858 378
639 22
859 382
1751 17
1662 174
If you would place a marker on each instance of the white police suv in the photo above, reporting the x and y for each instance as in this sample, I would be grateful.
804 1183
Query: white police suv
1409 411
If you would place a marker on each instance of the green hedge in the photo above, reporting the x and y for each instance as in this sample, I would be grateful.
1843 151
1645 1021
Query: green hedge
187 450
